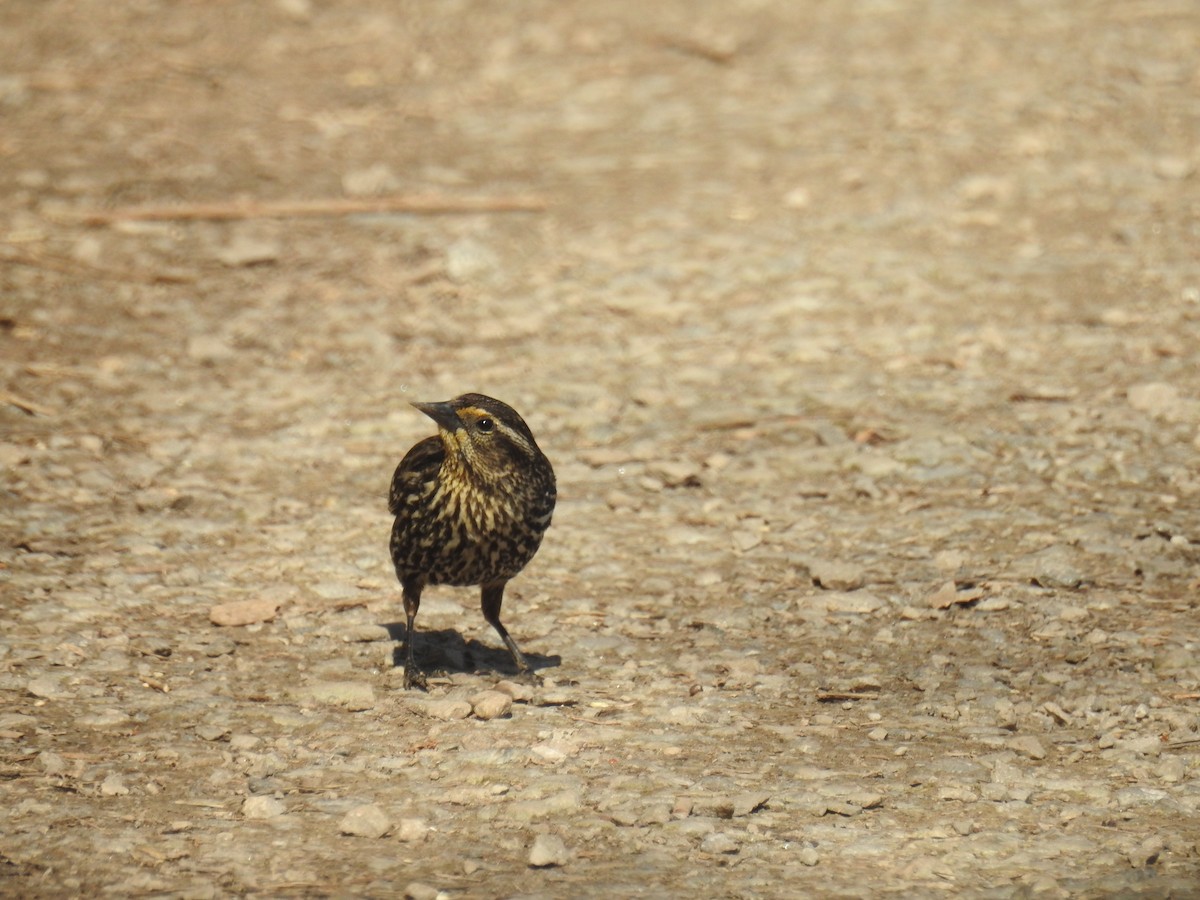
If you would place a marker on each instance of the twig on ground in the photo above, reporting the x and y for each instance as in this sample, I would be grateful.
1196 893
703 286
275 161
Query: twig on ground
8 398
78 267
424 204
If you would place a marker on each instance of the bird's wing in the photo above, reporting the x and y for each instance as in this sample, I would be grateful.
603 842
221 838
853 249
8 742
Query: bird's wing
419 467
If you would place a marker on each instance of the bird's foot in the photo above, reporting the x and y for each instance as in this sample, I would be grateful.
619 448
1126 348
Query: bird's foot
527 676
414 678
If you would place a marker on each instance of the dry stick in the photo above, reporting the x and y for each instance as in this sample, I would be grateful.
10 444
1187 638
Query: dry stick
27 406
693 47
78 267
426 204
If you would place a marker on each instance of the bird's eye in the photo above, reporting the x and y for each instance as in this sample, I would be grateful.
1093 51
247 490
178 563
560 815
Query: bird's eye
485 424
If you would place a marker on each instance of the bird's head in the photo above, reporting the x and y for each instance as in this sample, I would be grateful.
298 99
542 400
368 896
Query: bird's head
487 437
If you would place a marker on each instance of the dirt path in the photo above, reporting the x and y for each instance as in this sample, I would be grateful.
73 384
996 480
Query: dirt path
863 338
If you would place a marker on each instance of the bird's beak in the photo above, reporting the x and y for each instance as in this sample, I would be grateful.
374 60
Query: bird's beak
443 414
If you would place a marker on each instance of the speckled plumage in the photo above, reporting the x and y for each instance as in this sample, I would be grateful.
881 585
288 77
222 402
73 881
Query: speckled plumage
471 505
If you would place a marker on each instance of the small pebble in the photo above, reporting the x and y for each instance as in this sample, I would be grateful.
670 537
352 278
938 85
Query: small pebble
548 850
746 539
412 831
745 804
468 259
447 710
263 807
1174 168
1056 566
244 612
1136 795
719 843
417 890
1142 746
1155 397
658 814
365 632
44 687
209 348
219 646
1020 794
355 696
1171 770
853 603
108 718
1029 746
949 595
520 693
957 792
242 250
372 180
491 705
696 827
993 791
367 821
834 575
244 742
865 799
114 786
624 816
209 732
540 808
52 763
675 473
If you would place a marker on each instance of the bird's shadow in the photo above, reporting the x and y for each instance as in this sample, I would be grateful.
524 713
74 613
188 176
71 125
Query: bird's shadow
447 650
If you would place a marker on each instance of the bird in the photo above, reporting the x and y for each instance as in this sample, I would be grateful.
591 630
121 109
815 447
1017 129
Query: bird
471 505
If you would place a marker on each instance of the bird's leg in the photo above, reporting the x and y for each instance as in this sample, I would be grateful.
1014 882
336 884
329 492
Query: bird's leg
412 603
491 598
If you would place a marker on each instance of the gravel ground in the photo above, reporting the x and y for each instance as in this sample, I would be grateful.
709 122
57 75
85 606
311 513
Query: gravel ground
863 338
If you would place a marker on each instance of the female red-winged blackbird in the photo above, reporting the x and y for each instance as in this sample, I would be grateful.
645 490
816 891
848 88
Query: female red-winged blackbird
471 505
